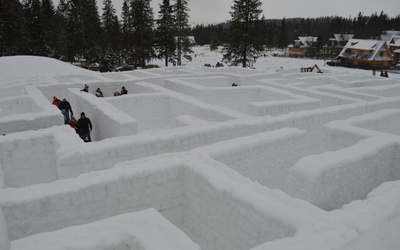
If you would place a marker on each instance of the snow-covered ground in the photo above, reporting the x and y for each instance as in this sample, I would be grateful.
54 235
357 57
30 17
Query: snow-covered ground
286 160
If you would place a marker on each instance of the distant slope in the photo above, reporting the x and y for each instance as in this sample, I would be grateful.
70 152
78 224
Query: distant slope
16 68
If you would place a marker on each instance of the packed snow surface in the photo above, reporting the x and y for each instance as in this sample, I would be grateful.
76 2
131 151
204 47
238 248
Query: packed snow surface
284 160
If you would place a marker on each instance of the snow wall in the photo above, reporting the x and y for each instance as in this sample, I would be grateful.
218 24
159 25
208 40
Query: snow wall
189 196
4 241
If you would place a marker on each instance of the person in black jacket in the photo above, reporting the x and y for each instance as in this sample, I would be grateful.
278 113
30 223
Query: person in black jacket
85 89
124 91
86 126
65 108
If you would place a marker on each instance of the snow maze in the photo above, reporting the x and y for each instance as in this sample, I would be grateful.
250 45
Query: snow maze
185 161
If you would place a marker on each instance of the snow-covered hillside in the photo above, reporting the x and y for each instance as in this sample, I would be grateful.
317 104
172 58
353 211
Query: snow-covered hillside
285 160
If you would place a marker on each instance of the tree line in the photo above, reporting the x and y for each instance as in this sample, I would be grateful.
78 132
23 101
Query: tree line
75 29
279 33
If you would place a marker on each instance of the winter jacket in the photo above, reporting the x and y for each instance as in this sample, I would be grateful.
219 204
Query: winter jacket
56 102
86 124
65 105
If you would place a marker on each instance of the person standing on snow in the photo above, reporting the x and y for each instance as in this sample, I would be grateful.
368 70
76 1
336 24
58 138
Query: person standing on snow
65 108
99 93
124 91
85 89
386 74
56 101
86 126
75 125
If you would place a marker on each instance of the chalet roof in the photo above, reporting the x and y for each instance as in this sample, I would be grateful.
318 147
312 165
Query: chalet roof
343 37
386 38
297 43
395 41
372 46
304 41
308 40
362 44
392 32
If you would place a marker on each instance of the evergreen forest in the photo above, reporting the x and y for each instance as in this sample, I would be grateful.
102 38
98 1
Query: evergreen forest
74 29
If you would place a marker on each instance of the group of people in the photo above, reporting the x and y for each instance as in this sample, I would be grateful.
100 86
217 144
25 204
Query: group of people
383 74
99 93
83 126
122 92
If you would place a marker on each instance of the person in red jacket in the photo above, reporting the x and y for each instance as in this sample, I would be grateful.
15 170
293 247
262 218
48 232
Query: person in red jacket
56 101
386 74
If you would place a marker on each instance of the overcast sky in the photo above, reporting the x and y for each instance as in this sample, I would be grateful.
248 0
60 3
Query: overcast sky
210 11
218 10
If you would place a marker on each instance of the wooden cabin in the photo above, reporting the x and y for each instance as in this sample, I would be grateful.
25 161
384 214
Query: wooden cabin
366 54
301 46
392 38
335 45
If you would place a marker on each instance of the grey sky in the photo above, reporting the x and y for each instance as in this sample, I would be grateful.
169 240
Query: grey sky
210 11
218 10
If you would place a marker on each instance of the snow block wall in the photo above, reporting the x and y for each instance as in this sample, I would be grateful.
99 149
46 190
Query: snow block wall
2 179
75 159
218 219
141 230
4 241
12 92
107 121
157 112
28 112
162 109
269 159
28 160
104 195
384 91
382 121
17 105
285 160
333 179
180 193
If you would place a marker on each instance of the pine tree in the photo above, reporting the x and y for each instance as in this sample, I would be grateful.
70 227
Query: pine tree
141 16
74 42
92 28
61 21
269 30
126 32
360 25
182 31
11 28
49 21
111 34
244 41
283 37
165 33
214 41
82 30
34 32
